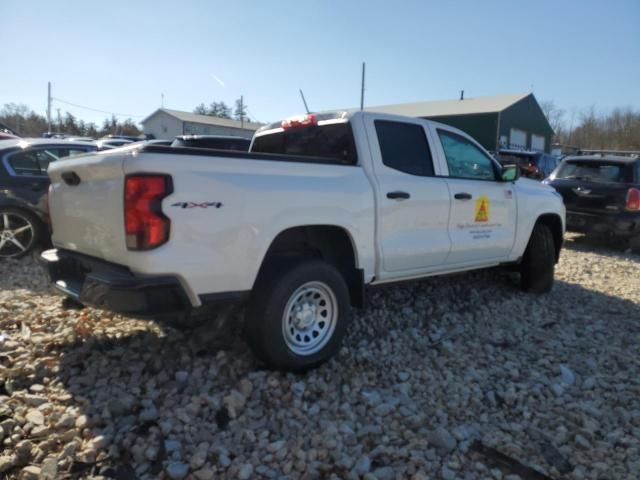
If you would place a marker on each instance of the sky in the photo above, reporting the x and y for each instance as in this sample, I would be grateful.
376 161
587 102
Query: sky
122 56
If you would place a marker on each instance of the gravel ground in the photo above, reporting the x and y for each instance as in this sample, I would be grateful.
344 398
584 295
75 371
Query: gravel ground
458 377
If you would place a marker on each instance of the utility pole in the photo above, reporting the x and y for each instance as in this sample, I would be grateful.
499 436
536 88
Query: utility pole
241 111
49 106
162 100
362 89
59 120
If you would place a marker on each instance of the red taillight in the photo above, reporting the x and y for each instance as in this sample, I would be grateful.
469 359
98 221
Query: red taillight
145 225
299 121
633 199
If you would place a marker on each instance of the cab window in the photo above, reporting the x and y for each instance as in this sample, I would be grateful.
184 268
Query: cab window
404 147
464 159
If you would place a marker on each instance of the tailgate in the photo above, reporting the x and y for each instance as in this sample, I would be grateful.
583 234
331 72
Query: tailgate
592 197
86 204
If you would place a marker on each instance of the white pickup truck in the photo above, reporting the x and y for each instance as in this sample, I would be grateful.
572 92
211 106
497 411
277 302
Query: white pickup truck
322 206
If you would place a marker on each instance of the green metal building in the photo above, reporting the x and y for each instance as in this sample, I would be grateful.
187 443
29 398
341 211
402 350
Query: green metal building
504 122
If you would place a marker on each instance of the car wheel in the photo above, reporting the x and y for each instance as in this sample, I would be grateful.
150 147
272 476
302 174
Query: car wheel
634 244
20 232
538 263
297 317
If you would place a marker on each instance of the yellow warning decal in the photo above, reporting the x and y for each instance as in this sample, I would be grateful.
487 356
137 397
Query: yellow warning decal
482 209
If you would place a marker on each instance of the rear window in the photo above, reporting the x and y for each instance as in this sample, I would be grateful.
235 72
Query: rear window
404 147
217 143
333 141
600 172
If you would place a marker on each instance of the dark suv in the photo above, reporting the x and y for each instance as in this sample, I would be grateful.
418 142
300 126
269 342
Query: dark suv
602 195
23 190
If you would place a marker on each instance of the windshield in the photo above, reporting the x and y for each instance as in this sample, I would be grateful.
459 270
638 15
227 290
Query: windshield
333 141
600 172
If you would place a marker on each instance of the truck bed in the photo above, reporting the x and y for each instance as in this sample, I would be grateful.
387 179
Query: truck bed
223 203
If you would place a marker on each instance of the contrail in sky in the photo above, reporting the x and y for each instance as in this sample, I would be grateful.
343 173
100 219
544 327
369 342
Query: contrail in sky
218 80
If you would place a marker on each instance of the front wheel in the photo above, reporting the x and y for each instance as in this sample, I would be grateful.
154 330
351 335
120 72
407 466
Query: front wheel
297 317
538 262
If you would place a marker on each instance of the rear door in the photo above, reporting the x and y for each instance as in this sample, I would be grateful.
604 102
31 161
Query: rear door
482 223
413 202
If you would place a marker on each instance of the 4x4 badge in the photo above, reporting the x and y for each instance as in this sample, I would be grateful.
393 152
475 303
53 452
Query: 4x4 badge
197 205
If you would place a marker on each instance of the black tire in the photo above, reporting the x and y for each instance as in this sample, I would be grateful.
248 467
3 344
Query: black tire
539 260
19 218
281 288
634 244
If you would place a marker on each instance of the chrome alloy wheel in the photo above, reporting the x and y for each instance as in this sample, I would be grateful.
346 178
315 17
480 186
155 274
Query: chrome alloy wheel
16 234
310 318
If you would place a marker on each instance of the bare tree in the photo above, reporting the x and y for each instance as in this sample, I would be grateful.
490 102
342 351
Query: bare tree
555 117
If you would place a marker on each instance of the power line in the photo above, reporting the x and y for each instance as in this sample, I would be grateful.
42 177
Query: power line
119 114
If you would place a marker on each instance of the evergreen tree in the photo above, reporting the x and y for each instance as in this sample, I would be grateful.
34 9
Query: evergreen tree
240 112
219 109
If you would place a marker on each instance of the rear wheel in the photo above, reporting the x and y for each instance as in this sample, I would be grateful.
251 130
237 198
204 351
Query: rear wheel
634 244
298 316
538 262
20 232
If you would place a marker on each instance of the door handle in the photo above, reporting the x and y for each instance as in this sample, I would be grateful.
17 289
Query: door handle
463 196
398 195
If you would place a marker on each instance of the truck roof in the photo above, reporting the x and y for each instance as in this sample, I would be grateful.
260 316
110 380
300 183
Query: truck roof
336 116
319 118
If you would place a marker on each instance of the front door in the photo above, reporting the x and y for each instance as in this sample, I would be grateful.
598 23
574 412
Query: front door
482 224
413 203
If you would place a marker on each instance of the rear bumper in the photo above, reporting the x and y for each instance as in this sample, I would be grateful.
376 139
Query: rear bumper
624 225
114 287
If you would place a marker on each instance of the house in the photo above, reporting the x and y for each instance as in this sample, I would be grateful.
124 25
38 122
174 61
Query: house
165 123
514 122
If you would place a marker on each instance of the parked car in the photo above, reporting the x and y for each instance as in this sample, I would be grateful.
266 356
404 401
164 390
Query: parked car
602 195
109 143
158 141
536 165
220 142
132 138
79 139
6 130
23 190
323 206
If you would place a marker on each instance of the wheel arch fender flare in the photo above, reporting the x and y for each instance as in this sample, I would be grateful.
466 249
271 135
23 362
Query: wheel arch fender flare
554 222
332 243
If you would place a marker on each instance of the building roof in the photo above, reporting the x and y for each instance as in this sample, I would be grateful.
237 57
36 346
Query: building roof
205 119
452 107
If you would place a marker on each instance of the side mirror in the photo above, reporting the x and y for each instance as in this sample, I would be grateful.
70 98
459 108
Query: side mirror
510 173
